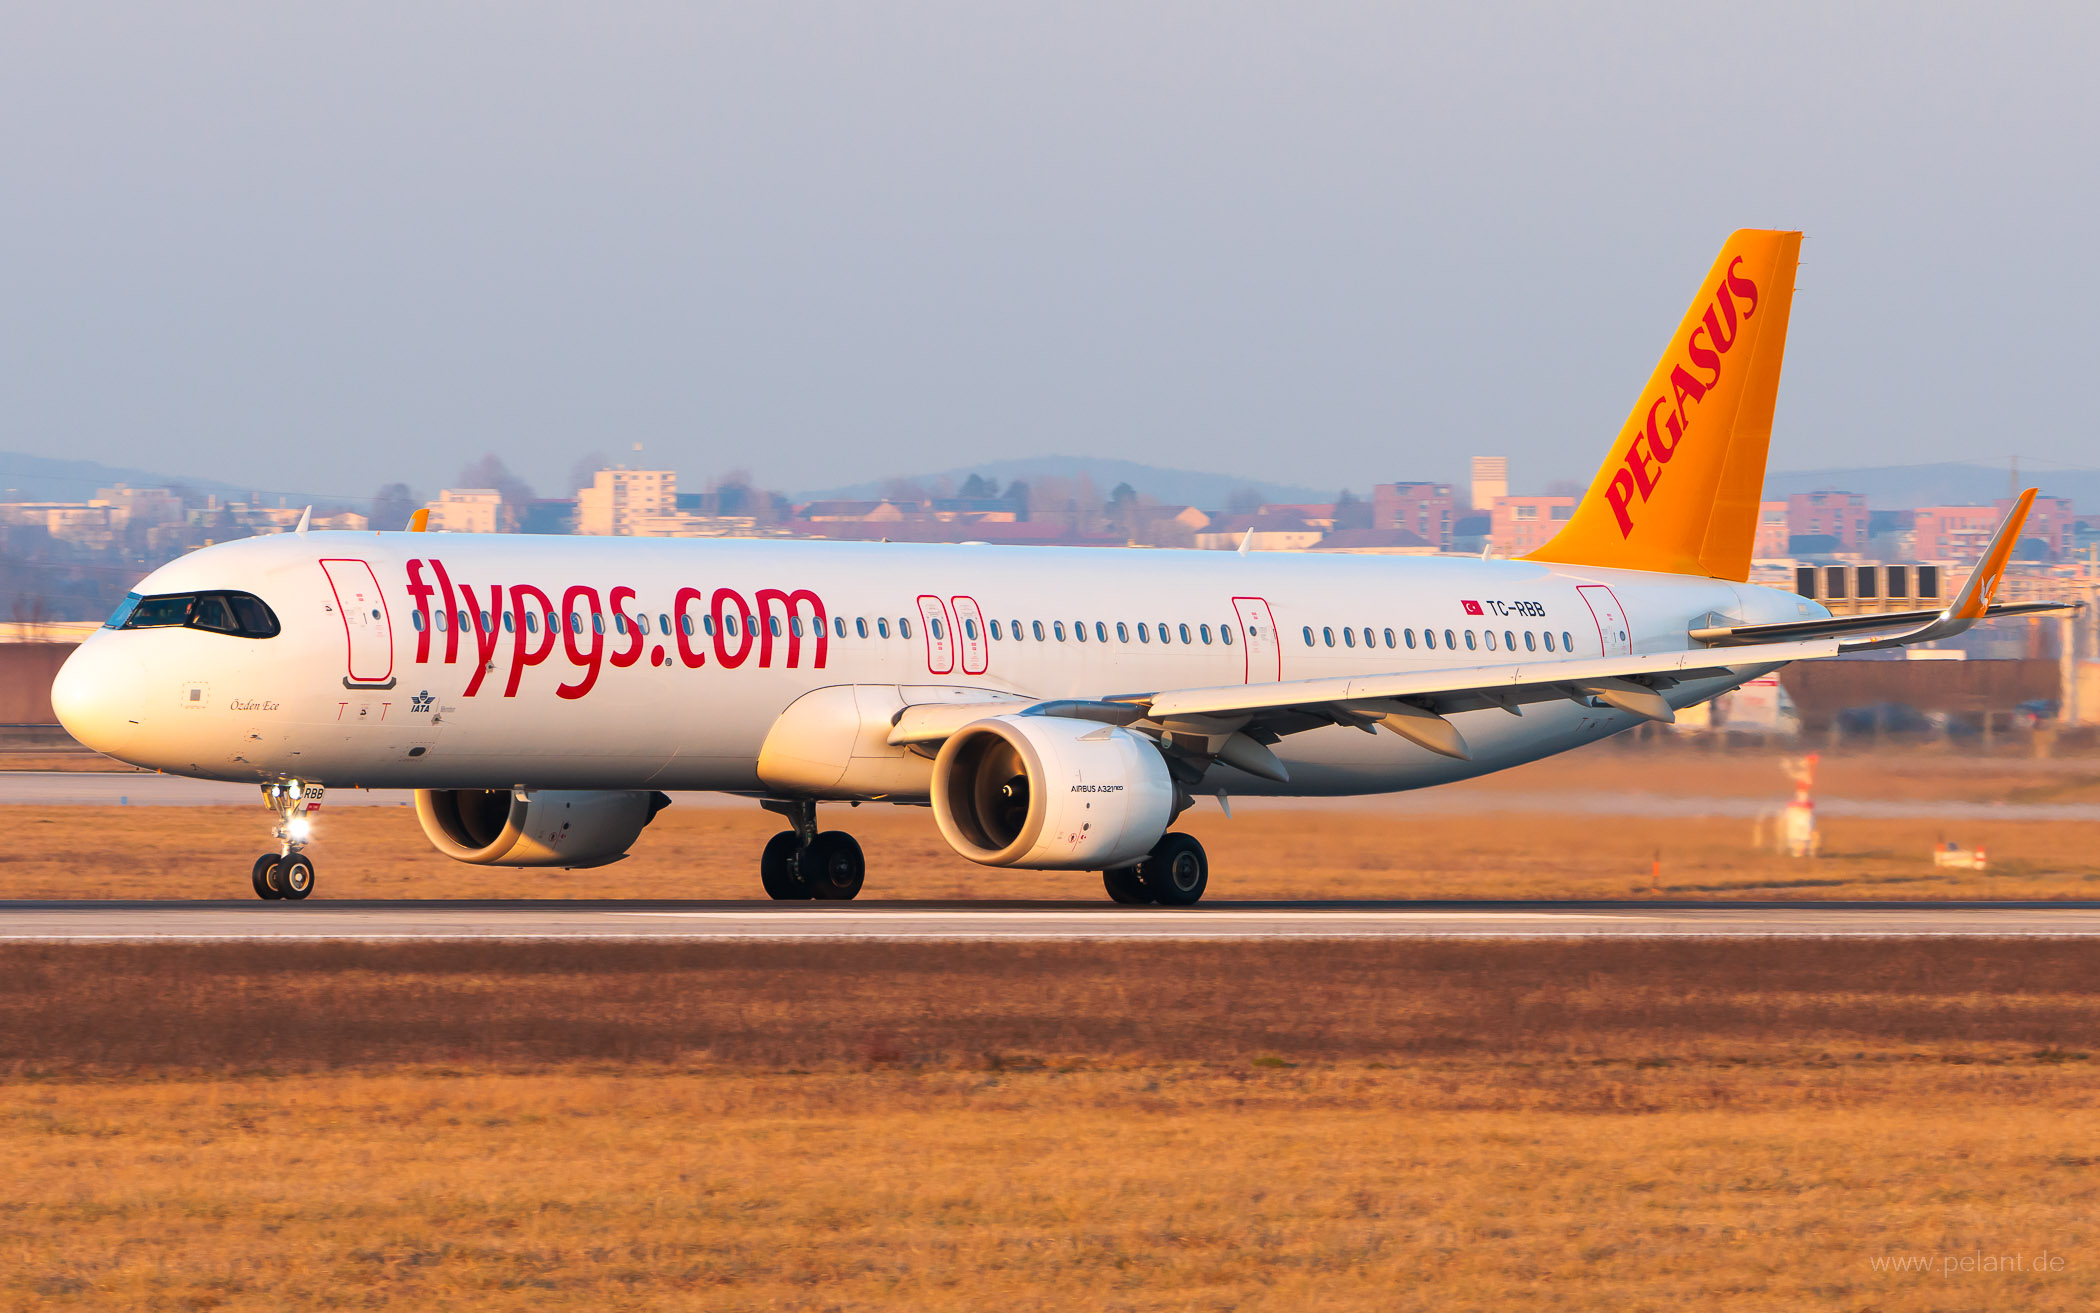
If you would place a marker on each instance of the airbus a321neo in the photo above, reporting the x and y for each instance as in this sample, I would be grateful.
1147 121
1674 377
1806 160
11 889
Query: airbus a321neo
1057 708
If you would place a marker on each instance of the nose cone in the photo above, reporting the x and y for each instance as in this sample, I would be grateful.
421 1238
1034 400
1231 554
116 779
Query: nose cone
99 694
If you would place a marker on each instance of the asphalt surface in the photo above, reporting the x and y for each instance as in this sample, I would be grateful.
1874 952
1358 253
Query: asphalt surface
722 921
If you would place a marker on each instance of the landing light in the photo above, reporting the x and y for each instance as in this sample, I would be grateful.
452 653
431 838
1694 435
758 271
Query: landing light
298 829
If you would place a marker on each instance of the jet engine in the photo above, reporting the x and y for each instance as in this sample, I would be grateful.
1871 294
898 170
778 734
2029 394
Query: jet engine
1051 793
536 827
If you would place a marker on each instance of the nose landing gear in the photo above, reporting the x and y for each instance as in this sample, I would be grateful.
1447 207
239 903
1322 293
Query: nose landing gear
287 873
801 863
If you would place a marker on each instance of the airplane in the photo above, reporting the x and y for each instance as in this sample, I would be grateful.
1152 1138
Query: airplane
1057 709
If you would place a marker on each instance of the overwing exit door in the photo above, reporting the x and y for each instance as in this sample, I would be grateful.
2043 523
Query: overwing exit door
940 635
368 630
1258 628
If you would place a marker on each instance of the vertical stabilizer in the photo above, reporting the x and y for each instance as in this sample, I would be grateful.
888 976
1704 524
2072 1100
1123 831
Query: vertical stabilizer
1678 492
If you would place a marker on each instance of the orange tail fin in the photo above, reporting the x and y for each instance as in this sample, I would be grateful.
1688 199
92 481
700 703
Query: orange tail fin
1680 489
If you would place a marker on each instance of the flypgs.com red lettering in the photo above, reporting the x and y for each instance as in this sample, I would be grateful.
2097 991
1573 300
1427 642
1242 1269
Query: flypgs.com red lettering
1641 467
586 628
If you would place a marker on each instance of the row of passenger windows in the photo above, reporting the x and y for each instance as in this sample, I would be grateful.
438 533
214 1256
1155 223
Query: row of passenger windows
1015 631
1451 639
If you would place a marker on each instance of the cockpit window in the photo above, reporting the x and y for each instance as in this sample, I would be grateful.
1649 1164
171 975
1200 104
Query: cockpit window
243 615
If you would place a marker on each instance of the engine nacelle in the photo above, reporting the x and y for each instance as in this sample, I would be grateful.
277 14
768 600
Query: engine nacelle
1051 793
538 827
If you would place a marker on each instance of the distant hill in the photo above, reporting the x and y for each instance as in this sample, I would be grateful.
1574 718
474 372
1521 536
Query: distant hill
41 478
1907 487
1192 487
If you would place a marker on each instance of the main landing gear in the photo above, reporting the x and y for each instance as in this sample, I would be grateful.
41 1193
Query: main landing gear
287 873
1174 874
803 864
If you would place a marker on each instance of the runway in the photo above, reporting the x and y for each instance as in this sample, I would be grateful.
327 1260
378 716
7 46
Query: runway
721 922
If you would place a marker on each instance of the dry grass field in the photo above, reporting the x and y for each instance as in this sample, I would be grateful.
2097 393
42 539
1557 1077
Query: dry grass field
1178 1127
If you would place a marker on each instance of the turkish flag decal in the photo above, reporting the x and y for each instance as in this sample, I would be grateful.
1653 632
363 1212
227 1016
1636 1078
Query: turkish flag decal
1472 608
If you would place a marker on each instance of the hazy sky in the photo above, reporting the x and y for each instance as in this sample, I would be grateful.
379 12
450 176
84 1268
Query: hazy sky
323 247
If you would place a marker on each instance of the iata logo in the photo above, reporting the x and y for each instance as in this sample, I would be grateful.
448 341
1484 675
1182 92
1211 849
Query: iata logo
1654 443
420 702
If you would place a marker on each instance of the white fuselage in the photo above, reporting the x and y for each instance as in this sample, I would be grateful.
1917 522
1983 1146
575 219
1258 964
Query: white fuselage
371 681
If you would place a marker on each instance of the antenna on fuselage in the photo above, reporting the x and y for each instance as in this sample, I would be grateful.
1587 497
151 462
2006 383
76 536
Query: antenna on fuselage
1247 541
306 517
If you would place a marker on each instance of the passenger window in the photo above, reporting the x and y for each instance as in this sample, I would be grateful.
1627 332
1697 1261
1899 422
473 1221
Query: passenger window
882 626
1531 641
1079 630
510 622
860 625
1166 635
1144 632
707 625
1348 637
1328 634
904 626
997 634
1509 640
1428 639
532 622
1567 641
936 627
1469 640
794 626
1490 638
1389 639
1225 633
1058 627
1122 632
1370 639
415 619
444 622
1205 631
1410 638
1101 631
598 622
1185 634
1549 640
1308 636
773 623
1014 628
1450 640
1038 631
685 625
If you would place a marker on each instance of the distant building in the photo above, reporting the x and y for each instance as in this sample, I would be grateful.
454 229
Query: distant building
466 510
1320 515
1427 509
619 501
1772 531
1272 533
1490 481
1376 542
1840 517
1517 525
1953 533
